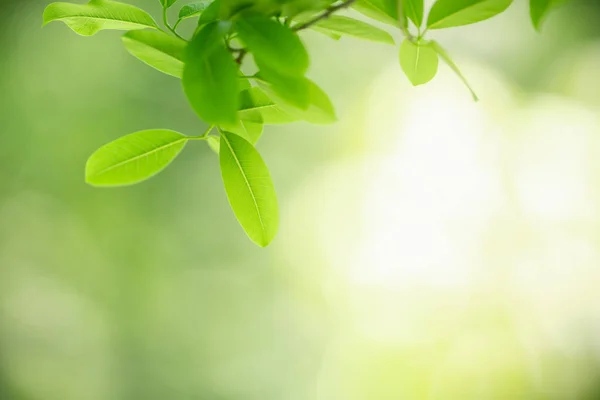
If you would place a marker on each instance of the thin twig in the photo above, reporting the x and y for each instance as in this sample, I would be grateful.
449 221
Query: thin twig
326 14
240 58
166 22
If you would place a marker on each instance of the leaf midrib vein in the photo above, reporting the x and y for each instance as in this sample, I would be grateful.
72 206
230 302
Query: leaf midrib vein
155 150
237 161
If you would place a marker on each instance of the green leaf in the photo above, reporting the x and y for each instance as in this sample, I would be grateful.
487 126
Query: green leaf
244 84
539 10
449 13
385 11
294 90
249 188
88 19
273 45
353 27
193 9
249 130
210 76
214 143
413 10
326 32
211 13
167 3
320 110
157 49
256 106
419 61
448 60
133 158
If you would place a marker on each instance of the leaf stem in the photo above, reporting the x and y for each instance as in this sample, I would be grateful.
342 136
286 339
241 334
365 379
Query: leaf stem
326 14
166 22
204 136
240 57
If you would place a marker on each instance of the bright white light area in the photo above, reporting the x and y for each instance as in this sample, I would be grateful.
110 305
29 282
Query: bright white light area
464 230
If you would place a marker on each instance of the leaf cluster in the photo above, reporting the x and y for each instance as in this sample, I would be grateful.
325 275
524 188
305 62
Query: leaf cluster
245 67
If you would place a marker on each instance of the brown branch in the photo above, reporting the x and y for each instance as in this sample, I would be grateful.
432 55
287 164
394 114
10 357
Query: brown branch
324 15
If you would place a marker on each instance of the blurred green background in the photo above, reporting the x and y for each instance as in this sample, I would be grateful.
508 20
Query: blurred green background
430 247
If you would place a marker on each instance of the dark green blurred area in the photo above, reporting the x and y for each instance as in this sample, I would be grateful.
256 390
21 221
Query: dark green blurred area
153 291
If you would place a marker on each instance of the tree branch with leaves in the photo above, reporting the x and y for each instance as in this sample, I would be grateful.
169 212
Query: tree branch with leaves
237 106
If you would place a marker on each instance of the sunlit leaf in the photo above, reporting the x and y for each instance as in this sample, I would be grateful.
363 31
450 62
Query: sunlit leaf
210 76
413 10
157 49
133 158
256 106
449 13
88 19
249 130
419 61
385 11
292 89
249 188
273 45
326 32
448 60
319 111
353 27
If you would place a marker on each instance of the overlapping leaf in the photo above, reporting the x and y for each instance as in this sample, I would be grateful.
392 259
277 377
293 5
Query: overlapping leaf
450 13
97 15
273 45
249 188
353 27
257 107
210 76
320 110
158 50
385 11
413 10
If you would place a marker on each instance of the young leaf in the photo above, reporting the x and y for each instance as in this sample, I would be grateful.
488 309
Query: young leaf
256 106
157 49
294 90
214 143
249 188
273 45
133 158
539 10
320 110
449 13
249 130
448 60
97 15
419 61
167 3
193 9
413 10
210 76
385 11
354 27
